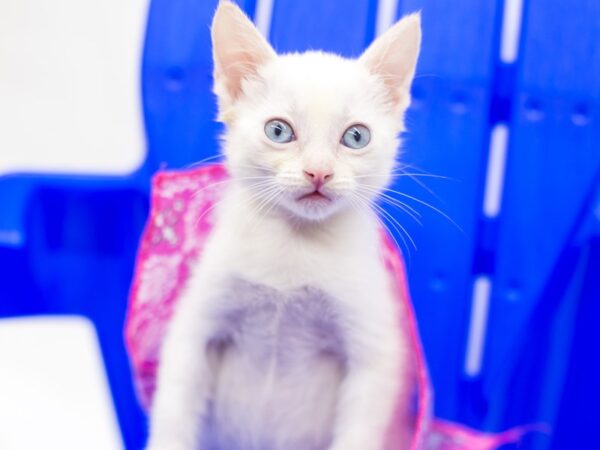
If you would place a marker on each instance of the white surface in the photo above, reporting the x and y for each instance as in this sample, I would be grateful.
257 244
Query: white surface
53 390
511 30
494 189
494 182
262 19
386 15
70 86
480 304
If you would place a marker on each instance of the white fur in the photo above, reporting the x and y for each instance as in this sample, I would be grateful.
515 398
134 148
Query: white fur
268 246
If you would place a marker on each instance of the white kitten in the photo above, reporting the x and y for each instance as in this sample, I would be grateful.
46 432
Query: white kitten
287 335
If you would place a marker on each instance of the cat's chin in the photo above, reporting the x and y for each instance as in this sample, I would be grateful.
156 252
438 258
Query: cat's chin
312 207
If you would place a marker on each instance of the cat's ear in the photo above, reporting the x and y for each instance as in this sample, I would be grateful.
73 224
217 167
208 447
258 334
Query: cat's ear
393 58
238 51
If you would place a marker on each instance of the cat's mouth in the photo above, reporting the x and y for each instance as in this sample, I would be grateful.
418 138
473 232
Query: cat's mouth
315 195
316 204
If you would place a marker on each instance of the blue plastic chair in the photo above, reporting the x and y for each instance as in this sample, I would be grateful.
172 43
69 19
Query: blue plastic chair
539 253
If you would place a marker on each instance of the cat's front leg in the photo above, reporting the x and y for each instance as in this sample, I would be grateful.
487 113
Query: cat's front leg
184 376
377 357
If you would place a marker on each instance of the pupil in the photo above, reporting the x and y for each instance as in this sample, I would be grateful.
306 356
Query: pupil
356 135
278 129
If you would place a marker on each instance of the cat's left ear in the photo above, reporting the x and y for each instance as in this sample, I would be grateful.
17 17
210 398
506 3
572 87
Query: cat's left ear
393 58
238 52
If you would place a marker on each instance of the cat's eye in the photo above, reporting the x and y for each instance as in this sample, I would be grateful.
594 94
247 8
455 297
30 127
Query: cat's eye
357 136
279 131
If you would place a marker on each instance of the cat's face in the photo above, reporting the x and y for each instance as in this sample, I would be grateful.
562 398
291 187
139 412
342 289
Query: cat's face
313 133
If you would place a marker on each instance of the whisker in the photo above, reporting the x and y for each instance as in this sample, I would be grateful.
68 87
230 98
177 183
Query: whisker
197 163
267 196
405 174
359 205
247 166
251 187
394 222
213 206
209 186
428 75
413 176
393 219
268 201
378 210
264 192
273 200
394 202
228 180
368 204
418 170
424 186
433 208
401 206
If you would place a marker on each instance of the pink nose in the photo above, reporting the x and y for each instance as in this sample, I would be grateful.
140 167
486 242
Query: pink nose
318 177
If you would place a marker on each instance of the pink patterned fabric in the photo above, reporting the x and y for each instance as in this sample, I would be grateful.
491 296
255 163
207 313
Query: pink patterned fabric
180 221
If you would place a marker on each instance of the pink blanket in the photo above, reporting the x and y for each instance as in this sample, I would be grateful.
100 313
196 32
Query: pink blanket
179 223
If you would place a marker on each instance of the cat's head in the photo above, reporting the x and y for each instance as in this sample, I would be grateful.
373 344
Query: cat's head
313 133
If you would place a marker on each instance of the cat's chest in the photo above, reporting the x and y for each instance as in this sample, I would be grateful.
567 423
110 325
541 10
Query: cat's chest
265 323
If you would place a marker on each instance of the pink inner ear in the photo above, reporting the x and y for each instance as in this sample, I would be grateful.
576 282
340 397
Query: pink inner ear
393 57
238 50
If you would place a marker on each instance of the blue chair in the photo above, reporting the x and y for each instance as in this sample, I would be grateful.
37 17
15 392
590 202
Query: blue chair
506 300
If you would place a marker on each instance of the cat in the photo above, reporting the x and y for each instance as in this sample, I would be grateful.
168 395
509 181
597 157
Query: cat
286 336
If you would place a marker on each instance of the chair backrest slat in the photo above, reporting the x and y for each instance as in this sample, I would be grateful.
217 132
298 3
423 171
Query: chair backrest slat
448 127
344 26
553 168
179 106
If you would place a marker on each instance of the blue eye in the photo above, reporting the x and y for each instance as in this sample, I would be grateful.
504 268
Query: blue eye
357 136
279 131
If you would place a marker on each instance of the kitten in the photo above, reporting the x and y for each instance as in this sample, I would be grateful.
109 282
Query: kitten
287 334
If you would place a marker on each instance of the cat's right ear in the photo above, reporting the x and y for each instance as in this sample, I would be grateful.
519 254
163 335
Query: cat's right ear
392 57
238 51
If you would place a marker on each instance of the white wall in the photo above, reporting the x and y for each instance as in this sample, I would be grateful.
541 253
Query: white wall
70 96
